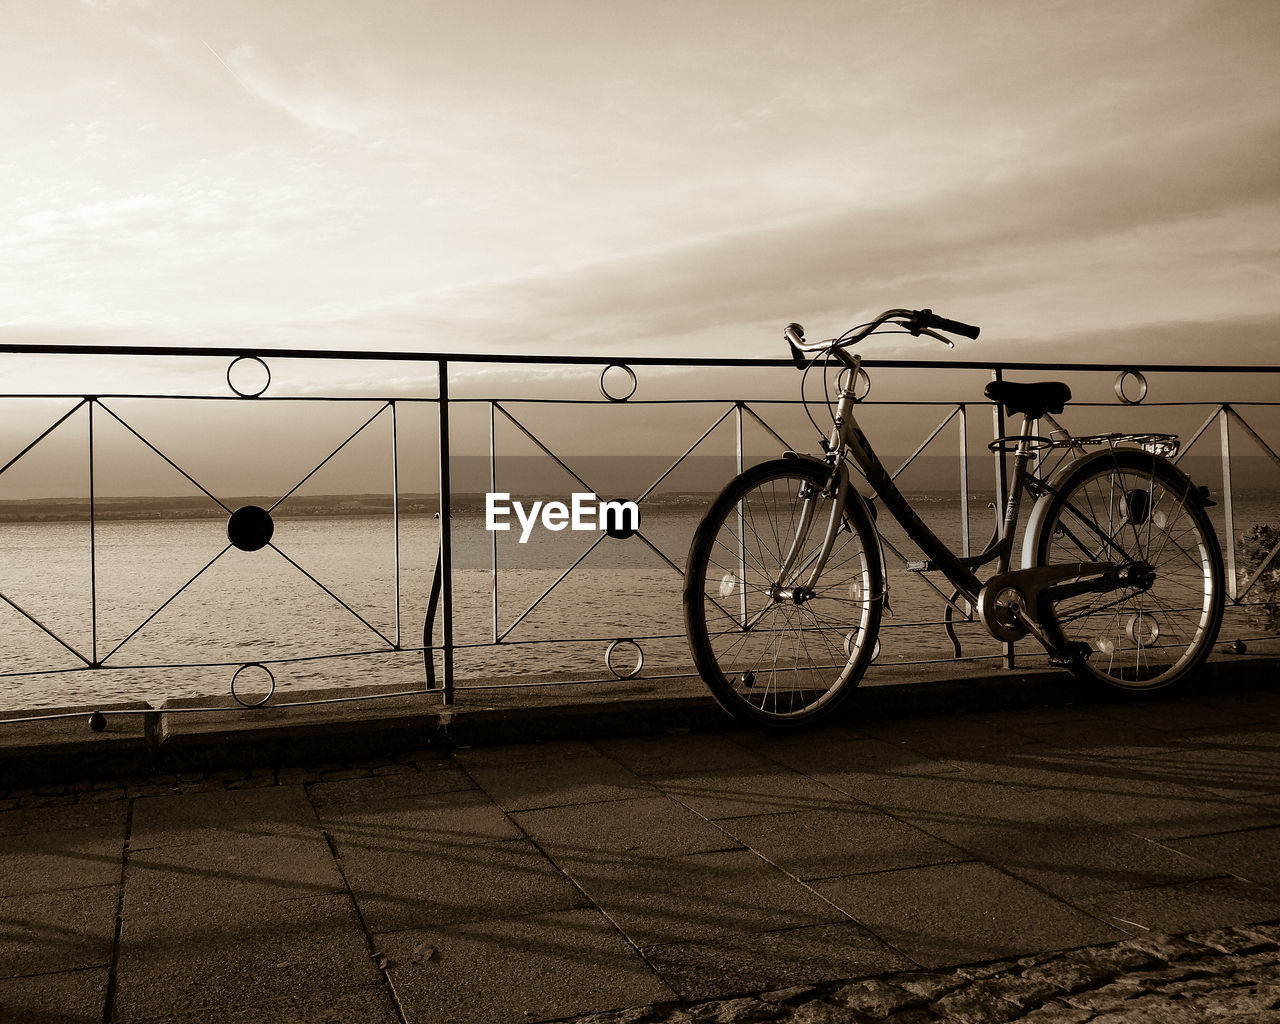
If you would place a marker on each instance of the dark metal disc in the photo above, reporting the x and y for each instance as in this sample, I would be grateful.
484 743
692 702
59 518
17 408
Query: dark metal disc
250 528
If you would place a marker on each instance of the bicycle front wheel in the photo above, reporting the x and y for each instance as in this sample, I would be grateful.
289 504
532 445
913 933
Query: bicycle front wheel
772 651
1139 511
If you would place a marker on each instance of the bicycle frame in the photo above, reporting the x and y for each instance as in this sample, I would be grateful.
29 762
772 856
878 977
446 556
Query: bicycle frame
847 437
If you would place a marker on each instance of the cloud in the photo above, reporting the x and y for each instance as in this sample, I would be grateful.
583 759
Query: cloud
295 93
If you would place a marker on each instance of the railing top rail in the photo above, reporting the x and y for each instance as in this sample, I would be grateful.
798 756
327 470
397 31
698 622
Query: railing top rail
234 352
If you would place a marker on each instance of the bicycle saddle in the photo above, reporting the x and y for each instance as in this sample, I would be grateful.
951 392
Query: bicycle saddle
1032 400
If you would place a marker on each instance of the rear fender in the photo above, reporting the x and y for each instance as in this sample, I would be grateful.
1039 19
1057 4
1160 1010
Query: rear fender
1060 481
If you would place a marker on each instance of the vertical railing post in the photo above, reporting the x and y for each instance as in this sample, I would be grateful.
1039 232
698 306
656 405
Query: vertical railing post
93 546
964 480
493 534
1228 508
1002 483
446 534
395 507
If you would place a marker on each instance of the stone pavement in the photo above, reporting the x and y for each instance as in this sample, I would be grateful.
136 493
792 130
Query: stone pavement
731 876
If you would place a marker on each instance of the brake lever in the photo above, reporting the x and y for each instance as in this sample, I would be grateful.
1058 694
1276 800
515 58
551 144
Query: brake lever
938 337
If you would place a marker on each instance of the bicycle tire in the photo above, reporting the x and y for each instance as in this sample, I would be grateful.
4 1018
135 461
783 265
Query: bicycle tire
787 670
1142 506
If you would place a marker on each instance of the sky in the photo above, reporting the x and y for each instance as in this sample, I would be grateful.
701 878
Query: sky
668 178
1085 180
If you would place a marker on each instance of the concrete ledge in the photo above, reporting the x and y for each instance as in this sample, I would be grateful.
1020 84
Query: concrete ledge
174 738
67 748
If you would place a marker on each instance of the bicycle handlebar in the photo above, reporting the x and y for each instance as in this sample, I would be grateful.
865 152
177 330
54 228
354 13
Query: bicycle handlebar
916 321
928 318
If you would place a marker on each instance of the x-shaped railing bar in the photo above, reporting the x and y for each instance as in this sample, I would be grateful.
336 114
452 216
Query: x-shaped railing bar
925 443
5 598
323 462
1186 446
360 618
579 560
190 479
45 433
1271 555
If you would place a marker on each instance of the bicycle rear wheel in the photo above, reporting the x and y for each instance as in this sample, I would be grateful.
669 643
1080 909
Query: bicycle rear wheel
768 658
1132 507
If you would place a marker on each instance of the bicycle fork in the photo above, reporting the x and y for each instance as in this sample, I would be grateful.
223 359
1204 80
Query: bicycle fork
838 490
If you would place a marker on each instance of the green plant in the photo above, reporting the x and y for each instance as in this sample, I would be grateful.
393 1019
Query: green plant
1252 549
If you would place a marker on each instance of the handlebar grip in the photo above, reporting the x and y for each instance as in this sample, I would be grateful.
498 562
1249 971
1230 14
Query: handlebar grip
794 334
928 318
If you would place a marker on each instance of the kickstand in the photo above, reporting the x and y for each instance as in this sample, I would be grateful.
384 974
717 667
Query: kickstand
947 625
429 626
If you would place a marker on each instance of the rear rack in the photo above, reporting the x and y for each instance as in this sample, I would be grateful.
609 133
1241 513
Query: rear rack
1158 444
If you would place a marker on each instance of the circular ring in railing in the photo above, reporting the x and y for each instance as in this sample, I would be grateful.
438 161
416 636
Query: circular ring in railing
635 670
1139 387
250 528
249 392
271 689
631 375
861 384
848 645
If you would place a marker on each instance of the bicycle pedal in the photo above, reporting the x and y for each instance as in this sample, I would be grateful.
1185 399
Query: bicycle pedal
926 566
1072 655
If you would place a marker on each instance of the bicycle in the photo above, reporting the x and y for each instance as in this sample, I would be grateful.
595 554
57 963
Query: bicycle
1121 577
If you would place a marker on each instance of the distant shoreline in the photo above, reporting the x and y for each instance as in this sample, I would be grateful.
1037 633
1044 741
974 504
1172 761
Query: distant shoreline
352 506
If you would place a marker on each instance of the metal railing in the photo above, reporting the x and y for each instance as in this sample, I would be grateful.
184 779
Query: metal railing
250 527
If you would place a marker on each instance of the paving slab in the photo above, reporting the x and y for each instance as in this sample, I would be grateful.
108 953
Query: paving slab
21 820
701 896
42 933
1188 906
655 826
670 755
1158 809
445 883
839 841
764 961
961 913
345 1006
236 868
1104 738
73 997
1235 774
1261 740
239 955
66 859
844 763
539 967
570 780
941 736
524 753
355 792
402 823
737 791
188 818
1253 855
1183 718
1070 860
